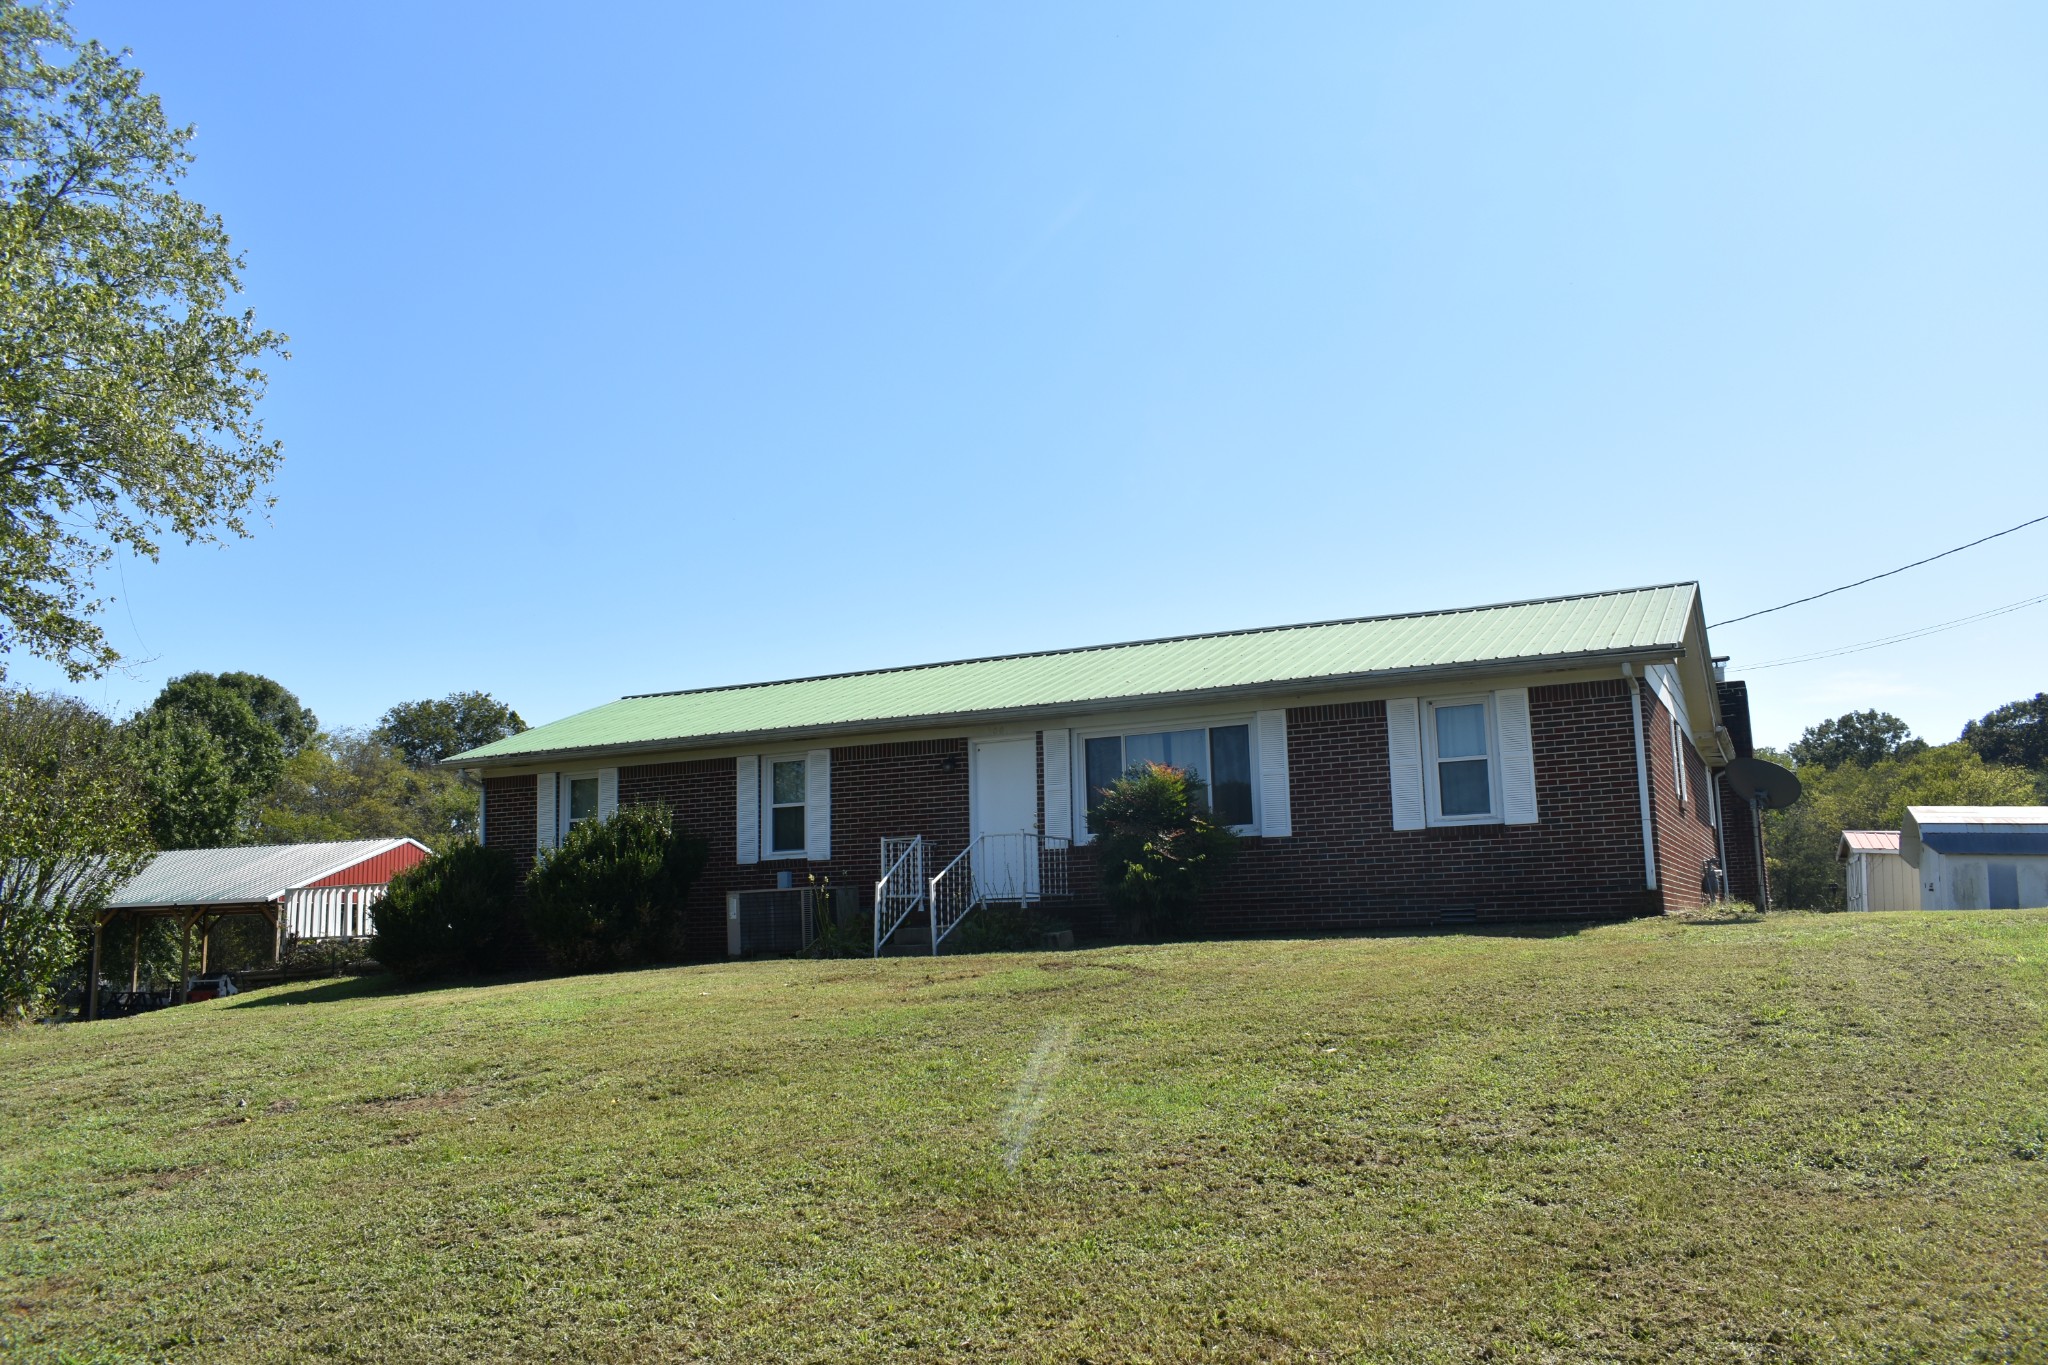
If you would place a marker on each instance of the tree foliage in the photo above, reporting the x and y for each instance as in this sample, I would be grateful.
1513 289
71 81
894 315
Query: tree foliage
2015 734
207 759
72 829
189 789
275 705
450 915
350 785
1861 738
428 731
1156 847
128 382
612 894
1801 841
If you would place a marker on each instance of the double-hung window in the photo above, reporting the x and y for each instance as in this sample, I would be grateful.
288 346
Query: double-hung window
1678 773
786 798
1219 755
1460 761
580 799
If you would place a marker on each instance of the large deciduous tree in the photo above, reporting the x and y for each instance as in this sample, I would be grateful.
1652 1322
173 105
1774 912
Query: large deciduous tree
1860 738
72 829
128 381
349 785
428 731
207 759
2016 734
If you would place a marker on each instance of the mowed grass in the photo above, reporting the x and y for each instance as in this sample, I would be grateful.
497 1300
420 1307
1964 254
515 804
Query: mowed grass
1808 1138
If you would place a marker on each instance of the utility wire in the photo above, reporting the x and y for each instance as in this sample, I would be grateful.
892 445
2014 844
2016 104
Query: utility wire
1900 638
1874 577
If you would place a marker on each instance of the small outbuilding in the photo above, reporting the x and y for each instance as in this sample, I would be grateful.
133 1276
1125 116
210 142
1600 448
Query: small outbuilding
1875 876
305 891
1977 857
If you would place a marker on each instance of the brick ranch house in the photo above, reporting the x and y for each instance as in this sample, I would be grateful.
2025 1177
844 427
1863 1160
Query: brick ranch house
1542 760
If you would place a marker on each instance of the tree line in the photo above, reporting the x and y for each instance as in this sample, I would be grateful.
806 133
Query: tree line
1861 771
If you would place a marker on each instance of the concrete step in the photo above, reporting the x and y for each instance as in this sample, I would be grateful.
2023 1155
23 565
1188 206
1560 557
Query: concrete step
911 939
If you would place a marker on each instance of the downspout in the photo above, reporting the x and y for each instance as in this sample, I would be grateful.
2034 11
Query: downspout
1635 706
1720 835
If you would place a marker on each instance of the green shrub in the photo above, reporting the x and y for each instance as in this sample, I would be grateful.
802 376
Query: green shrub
1156 847
612 894
450 915
1003 928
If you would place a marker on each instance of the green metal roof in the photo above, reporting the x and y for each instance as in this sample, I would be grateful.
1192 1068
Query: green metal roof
1554 632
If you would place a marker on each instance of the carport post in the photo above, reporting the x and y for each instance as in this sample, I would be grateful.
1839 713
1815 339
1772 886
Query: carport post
185 963
92 997
135 955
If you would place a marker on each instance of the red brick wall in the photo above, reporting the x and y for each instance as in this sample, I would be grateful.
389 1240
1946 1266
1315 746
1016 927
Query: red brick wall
1685 830
1346 867
877 790
509 819
1740 823
699 795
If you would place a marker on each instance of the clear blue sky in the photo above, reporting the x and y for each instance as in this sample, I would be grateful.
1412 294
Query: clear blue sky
646 347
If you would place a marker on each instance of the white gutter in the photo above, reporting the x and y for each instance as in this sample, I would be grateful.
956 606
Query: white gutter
1635 706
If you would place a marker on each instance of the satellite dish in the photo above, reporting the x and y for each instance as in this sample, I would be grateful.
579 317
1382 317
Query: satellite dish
1764 785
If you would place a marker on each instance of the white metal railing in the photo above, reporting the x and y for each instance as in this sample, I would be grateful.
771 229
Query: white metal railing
1021 868
313 912
902 887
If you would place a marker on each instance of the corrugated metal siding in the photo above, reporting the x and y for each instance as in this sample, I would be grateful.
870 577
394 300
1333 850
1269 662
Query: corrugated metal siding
1641 619
377 870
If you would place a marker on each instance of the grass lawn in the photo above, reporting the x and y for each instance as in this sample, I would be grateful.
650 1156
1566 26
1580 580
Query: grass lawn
1810 1138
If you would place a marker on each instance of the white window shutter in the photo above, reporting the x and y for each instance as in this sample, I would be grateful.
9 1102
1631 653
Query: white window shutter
1059 784
747 810
544 825
1404 761
818 805
1517 755
607 793
1276 807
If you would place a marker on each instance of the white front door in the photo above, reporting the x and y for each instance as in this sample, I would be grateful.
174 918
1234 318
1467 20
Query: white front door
1005 809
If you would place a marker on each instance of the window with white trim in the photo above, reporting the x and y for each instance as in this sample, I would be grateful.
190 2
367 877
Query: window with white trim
579 799
1219 755
784 797
1461 760
1678 760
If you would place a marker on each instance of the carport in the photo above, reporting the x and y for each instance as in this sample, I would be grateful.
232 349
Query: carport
310 891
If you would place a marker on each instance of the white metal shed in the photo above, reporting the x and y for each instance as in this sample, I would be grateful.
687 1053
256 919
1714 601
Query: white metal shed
1977 857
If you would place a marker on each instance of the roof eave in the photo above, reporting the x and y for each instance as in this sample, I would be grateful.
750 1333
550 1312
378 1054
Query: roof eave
1545 663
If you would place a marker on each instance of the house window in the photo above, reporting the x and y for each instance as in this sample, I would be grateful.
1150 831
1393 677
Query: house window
582 802
1678 760
1459 760
786 806
1219 755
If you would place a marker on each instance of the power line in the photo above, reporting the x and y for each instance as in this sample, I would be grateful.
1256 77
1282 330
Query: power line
1898 639
1874 577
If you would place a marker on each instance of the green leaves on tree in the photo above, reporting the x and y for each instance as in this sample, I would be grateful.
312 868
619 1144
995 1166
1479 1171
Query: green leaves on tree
128 381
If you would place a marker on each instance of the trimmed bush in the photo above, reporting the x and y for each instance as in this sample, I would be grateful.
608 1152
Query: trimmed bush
450 915
1156 847
612 894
